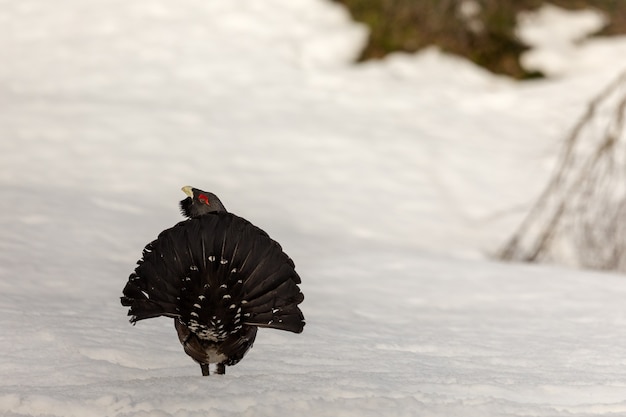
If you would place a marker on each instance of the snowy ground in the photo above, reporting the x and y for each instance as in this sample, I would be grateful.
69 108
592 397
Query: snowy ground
388 183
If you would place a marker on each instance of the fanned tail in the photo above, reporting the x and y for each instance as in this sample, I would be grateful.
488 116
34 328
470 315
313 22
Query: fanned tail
216 273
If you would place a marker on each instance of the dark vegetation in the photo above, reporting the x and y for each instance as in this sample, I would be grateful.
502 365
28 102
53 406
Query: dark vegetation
580 215
481 30
579 218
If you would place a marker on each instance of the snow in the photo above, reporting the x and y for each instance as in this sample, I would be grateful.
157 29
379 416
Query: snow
388 183
559 42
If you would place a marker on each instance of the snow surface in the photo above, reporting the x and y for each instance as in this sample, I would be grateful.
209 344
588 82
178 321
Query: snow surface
560 40
388 183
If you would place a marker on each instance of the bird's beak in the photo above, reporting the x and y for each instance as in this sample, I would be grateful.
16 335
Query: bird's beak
187 189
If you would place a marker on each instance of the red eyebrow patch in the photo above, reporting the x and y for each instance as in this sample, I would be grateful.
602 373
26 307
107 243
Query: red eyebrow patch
204 199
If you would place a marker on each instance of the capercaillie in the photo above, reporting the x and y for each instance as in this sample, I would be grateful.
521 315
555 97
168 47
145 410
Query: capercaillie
220 278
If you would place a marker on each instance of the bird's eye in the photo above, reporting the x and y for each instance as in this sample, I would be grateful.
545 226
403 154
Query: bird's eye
204 199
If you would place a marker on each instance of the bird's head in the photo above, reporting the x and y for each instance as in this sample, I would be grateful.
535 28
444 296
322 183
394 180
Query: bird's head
199 202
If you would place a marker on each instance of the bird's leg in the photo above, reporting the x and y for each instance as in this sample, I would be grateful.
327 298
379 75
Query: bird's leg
220 369
205 369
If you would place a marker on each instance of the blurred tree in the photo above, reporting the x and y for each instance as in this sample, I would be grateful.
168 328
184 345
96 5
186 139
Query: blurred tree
579 218
481 30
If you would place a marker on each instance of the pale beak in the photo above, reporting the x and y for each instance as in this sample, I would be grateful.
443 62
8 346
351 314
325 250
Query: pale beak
187 189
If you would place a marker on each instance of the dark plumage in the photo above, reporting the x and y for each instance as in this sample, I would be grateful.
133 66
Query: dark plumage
220 278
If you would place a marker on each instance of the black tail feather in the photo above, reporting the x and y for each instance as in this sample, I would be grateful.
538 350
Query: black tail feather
203 268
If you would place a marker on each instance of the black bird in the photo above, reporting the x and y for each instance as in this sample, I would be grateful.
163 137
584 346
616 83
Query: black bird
220 278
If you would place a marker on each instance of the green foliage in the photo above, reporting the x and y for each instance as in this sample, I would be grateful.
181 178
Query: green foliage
481 30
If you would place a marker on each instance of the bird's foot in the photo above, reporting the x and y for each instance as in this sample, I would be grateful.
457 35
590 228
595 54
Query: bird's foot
205 369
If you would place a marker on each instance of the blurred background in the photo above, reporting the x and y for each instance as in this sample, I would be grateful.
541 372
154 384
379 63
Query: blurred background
320 109
484 31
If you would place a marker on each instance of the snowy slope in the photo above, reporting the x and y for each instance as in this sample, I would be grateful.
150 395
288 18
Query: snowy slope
387 183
